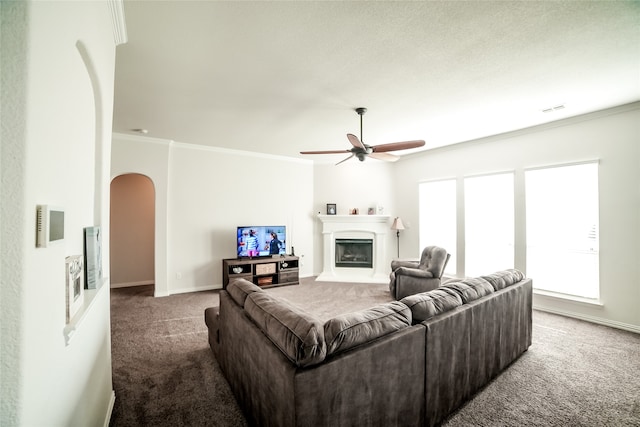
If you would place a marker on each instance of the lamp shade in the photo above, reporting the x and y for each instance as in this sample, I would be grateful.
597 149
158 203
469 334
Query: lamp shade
397 224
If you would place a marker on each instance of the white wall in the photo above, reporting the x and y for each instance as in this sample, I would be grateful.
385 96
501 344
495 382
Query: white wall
149 157
57 84
355 184
209 192
613 138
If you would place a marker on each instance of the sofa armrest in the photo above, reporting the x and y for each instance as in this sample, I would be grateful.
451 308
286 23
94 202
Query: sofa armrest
408 281
414 272
411 263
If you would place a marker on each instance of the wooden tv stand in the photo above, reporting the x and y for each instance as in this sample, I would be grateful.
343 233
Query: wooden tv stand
264 272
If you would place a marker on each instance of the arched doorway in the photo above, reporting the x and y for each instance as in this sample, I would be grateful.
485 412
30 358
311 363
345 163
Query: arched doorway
132 239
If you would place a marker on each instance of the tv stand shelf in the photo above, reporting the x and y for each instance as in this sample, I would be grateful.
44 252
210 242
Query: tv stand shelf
264 272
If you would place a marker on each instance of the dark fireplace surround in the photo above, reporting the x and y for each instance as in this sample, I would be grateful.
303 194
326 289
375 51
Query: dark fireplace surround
355 253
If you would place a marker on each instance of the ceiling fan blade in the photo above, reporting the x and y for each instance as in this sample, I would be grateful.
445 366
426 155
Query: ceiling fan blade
345 159
326 152
397 146
355 141
384 156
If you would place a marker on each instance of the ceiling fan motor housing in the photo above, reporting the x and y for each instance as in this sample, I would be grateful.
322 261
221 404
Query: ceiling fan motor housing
362 154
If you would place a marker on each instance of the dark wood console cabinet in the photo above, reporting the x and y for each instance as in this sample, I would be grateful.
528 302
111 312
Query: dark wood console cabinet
264 272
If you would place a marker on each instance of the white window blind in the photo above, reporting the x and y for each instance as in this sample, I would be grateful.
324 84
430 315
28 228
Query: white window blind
489 223
562 229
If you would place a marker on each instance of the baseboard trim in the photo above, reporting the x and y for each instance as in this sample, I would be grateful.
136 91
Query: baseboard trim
592 319
129 284
193 289
112 403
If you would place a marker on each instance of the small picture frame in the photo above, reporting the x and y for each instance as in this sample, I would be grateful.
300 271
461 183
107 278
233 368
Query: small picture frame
92 257
74 267
331 208
371 211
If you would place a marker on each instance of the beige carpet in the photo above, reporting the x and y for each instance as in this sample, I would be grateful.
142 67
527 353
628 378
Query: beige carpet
326 300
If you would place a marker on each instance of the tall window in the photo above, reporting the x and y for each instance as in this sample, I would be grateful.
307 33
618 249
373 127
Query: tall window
489 223
438 218
562 229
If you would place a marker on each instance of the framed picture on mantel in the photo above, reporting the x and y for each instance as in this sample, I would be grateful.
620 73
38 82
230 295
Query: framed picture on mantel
331 208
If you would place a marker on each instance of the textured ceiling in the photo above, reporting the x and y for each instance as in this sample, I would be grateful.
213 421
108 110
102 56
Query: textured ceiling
282 77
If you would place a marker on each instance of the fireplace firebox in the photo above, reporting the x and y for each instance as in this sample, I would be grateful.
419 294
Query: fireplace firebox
354 253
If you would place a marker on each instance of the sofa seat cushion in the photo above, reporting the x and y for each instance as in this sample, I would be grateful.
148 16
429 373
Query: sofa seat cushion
241 288
502 279
427 304
298 335
352 329
470 289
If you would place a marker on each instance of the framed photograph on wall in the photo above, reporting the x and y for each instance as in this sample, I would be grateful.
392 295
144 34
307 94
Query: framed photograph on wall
331 208
75 284
92 257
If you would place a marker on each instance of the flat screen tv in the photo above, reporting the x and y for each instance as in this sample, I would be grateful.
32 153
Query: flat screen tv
263 240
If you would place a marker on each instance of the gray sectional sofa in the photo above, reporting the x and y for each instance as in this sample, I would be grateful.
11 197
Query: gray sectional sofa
407 362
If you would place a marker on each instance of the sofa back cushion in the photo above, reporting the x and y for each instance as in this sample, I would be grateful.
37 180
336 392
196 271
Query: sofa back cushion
502 279
425 305
239 290
298 334
352 329
470 289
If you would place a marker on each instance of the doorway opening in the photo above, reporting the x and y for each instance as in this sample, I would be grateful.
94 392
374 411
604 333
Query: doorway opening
132 231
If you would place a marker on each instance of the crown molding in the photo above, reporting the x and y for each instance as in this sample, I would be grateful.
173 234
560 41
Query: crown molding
141 138
231 151
118 21
567 121
188 146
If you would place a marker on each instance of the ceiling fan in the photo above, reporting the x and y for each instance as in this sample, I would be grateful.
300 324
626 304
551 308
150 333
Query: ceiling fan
362 150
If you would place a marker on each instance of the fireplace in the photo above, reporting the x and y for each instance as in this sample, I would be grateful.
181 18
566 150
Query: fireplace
355 248
352 253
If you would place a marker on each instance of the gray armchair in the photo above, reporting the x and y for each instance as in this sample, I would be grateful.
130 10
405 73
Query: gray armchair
410 277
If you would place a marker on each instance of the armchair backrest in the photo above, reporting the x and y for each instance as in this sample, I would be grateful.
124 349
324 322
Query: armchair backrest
434 259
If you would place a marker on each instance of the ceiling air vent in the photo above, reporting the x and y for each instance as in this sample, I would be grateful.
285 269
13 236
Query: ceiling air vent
556 108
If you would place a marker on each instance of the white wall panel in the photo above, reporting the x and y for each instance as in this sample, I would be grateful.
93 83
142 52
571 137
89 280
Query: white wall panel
610 136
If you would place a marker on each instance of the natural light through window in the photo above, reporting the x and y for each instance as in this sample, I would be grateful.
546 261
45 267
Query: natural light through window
489 224
562 229
438 218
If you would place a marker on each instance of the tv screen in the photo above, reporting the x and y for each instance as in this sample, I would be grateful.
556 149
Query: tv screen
256 241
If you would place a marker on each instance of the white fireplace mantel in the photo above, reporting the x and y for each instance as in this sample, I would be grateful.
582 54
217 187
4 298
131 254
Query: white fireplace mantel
375 227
